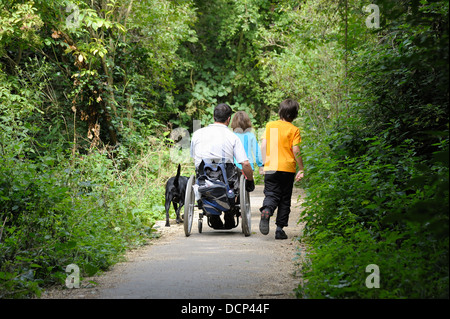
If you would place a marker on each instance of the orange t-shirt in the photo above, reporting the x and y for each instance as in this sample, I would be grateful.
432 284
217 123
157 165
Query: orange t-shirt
281 136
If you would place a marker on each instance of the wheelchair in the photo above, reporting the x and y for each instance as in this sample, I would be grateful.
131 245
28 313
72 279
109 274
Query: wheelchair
217 188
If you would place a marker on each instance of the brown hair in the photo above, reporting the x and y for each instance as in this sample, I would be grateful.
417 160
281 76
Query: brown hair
288 110
241 121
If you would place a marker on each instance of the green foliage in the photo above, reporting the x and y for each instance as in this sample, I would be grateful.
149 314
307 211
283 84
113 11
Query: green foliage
57 209
223 66
89 94
20 22
406 78
304 64
383 207
56 213
69 93
377 182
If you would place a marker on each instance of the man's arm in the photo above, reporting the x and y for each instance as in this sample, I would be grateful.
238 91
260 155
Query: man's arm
248 173
247 169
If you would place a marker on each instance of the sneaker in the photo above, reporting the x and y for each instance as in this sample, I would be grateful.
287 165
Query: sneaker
280 234
264 223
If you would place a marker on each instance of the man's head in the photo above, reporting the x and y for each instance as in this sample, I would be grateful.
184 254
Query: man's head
222 113
288 110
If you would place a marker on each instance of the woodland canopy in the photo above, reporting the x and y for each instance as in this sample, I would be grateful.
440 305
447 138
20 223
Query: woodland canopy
91 92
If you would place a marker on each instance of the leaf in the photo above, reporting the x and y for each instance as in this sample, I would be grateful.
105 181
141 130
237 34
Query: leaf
56 35
120 27
91 269
71 244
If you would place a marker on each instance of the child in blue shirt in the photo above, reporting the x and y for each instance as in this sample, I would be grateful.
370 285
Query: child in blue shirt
242 127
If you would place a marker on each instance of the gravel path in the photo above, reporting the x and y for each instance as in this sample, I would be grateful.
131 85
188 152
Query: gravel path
211 265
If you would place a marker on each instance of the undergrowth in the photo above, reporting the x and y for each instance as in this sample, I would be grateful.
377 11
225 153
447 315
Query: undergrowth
57 210
384 207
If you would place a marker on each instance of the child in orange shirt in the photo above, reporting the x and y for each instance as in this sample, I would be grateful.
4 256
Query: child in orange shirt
281 152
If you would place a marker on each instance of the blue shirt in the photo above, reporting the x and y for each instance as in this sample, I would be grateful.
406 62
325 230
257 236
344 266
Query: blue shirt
251 147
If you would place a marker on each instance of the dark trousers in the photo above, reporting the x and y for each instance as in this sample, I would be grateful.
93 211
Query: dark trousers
278 192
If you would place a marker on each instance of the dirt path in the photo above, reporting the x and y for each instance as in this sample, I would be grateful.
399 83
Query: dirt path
211 265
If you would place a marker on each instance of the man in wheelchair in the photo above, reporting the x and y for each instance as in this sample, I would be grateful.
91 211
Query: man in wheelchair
213 149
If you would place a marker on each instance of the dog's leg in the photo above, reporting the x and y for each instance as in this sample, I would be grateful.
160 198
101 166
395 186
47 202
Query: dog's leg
179 220
177 211
168 200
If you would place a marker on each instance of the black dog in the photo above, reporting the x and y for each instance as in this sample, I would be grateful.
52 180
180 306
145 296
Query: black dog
175 191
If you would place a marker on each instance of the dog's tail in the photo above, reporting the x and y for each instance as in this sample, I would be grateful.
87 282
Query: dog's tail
175 182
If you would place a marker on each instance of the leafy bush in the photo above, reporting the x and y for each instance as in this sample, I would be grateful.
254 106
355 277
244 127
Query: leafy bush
53 216
378 178
383 207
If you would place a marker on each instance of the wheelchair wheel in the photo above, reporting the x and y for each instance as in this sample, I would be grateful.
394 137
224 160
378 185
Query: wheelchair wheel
189 204
244 203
